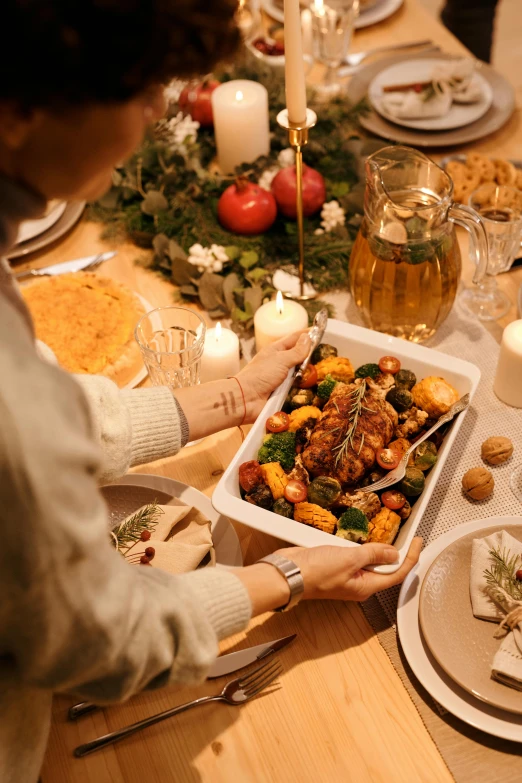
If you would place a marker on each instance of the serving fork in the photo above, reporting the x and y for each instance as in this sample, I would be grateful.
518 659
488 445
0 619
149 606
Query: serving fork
235 692
399 472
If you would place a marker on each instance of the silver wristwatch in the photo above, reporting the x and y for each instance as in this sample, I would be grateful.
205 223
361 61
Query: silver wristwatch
292 574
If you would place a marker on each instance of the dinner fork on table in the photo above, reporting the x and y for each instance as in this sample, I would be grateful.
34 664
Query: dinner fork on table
350 70
80 264
236 692
399 472
358 57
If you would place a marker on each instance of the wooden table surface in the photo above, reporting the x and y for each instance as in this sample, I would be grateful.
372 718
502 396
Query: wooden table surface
342 713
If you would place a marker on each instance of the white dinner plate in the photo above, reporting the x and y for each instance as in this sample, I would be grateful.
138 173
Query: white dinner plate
29 229
377 12
442 688
409 71
224 537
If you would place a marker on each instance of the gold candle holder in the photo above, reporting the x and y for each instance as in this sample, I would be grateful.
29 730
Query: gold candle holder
298 138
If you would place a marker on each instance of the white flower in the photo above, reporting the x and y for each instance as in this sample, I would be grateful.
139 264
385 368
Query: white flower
267 177
173 90
286 158
332 215
208 258
182 131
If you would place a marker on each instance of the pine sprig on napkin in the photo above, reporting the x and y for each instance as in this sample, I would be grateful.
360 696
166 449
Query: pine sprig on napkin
130 530
503 573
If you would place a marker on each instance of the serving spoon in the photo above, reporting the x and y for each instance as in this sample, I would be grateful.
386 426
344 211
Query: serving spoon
316 334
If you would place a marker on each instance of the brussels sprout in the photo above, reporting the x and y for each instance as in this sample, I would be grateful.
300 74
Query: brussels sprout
400 398
406 378
324 491
368 371
425 455
260 496
413 482
405 511
371 478
301 397
323 351
283 508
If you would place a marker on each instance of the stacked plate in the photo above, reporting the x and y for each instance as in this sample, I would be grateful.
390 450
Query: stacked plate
372 11
463 123
35 235
448 649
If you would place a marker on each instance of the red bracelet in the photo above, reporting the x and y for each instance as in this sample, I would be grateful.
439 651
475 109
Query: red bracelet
233 377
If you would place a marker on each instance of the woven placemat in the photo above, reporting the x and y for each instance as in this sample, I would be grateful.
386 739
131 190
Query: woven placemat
472 756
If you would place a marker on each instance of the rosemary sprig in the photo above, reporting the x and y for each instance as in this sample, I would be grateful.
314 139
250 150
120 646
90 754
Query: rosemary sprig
358 396
130 530
502 573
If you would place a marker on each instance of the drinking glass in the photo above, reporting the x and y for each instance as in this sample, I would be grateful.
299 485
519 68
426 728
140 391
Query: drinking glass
500 208
332 27
248 19
171 340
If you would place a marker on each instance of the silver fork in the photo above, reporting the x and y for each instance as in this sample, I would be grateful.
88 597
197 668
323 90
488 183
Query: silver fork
94 264
398 473
349 70
235 692
358 57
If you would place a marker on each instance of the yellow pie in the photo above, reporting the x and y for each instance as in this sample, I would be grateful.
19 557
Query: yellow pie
88 321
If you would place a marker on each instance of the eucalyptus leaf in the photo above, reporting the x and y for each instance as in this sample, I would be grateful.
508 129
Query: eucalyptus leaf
253 298
256 274
230 283
154 203
182 272
211 291
110 199
160 243
219 312
232 252
176 251
117 178
248 259
189 290
339 189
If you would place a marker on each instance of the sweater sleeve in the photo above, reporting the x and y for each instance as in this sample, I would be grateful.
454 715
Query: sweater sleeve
78 617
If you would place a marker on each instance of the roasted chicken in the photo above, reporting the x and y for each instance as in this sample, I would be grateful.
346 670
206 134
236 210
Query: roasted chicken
329 453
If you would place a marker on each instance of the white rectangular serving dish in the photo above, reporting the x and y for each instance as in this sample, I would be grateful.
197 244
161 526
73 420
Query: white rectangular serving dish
360 346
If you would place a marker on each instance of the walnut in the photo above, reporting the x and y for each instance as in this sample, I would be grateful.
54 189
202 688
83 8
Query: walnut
478 483
497 450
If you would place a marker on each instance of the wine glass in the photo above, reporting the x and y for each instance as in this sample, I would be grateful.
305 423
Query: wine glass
500 209
248 19
332 27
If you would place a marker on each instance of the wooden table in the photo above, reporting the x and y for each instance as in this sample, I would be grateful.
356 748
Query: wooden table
342 713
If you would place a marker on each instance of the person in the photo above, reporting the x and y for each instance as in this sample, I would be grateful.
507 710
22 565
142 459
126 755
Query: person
473 23
80 80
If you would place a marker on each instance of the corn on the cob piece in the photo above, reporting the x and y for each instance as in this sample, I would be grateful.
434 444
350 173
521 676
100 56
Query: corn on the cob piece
276 478
338 367
315 516
384 527
300 415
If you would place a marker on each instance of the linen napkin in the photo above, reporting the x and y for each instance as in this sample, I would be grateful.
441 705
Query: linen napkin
182 540
412 105
507 663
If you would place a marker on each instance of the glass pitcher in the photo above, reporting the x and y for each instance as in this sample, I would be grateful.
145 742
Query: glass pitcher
405 264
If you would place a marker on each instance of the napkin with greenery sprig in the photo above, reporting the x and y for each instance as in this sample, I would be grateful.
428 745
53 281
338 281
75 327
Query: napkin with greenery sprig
496 595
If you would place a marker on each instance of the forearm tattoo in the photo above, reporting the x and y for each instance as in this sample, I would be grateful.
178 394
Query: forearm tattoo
228 403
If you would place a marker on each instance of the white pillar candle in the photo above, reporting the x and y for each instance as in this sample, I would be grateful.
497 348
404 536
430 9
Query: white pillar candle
508 378
241 124
294 64
278 318
220 355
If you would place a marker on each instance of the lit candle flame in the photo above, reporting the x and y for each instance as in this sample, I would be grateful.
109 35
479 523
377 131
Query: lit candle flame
218 331
239 95
279 303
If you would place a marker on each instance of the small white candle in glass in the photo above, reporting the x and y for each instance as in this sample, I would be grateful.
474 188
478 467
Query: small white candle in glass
241 124
508 378
278 318
295 84
220 355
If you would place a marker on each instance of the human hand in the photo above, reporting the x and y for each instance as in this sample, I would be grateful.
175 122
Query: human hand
338 572
269 368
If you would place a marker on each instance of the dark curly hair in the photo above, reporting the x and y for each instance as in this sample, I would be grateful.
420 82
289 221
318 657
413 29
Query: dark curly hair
81 51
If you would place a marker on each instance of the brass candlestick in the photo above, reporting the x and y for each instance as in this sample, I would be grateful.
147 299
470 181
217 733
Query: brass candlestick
298 138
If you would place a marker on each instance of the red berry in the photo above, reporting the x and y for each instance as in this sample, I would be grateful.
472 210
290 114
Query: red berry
145 535
518 575
144 560
150 552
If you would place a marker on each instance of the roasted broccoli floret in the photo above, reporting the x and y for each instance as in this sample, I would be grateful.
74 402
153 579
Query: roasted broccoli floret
326 387
278 447
368 371
353 525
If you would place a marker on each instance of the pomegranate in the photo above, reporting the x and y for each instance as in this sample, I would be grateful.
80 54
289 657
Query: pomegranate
245 208
284 188
195 100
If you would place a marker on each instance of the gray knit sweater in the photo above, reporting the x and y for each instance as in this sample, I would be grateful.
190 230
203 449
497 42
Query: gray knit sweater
74 617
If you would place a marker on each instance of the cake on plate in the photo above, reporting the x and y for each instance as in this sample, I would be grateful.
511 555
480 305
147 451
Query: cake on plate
88 321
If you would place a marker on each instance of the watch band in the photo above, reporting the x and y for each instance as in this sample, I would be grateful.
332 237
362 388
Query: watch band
293 576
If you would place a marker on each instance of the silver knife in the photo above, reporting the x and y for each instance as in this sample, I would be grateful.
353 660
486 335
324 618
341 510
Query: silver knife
316 334
68 266
225 664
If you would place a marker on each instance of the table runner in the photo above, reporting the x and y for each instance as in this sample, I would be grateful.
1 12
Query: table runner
470 755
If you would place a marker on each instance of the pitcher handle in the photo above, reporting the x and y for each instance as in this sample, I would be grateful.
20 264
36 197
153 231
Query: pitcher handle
470 220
